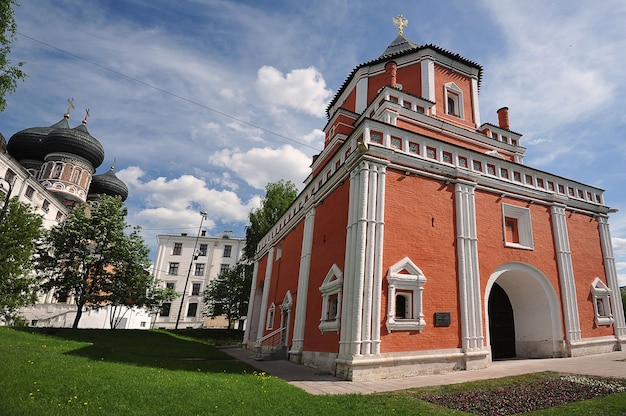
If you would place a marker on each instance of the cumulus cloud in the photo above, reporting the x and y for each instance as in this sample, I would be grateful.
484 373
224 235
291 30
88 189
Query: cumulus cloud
301 89
259 166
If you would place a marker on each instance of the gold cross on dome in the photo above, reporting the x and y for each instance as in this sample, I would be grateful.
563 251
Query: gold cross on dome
70 107
401 22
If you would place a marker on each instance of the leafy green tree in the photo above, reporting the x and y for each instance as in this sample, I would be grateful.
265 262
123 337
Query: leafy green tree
278 197
91 257
228 294
20 231
9 74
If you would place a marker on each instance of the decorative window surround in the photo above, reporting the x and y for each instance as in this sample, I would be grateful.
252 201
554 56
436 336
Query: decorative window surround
453 100
601 302
406 279
524 232
331 293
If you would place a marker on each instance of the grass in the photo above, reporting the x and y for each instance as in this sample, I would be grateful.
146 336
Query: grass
103 372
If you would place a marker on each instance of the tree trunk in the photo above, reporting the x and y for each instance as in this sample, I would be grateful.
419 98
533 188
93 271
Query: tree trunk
79 313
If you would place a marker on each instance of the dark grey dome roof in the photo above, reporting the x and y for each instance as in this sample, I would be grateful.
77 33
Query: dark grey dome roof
108 183
399 44
28 143
76 141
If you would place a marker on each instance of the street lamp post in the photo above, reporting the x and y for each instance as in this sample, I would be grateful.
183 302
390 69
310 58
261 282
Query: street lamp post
194 256
5 207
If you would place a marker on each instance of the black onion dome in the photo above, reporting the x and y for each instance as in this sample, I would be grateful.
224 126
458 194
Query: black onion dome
28 143
76 141
108 183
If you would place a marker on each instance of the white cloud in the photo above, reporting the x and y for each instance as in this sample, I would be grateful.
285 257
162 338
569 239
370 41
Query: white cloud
259 166
301 89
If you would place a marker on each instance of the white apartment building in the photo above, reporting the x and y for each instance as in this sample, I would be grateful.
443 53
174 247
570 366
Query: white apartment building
187 264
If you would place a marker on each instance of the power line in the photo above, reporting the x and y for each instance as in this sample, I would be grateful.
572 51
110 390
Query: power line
164 91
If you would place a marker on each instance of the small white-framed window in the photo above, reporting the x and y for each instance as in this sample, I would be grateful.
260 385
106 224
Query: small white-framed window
516 227
331 300
453 100
405 286
269 324
601 302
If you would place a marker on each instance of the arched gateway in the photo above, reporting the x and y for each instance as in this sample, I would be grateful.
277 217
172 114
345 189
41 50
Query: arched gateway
535 324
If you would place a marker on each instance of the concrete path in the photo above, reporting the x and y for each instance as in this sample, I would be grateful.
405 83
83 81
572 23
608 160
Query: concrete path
312 381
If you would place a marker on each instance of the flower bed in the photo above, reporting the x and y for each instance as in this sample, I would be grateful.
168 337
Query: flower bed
529 396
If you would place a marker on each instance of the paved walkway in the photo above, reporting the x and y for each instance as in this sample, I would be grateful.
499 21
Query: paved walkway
312 381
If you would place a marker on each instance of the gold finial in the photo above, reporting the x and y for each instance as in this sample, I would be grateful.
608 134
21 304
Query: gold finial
70 107
86 116
401 22
113 165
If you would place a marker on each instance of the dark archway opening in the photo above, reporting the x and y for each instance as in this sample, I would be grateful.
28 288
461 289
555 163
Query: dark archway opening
501 324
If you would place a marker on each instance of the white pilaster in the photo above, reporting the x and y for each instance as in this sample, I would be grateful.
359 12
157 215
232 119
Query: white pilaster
475 103
303 282
468 271
566 273
428 81
266 292
247 334
611 277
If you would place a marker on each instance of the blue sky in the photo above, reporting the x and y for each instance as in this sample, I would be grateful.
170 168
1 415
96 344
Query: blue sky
201 103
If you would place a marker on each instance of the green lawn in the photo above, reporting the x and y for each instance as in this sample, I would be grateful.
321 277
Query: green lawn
103 372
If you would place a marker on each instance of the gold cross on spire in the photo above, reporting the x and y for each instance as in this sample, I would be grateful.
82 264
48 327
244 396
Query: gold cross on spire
70 107
86 116
401 22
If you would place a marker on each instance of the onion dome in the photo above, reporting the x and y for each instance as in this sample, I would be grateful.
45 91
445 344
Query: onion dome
28 143
76 141
107 183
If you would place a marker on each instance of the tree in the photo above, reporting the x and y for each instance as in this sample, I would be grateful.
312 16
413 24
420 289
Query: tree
278 197
228 294
20 231
92 258
9 74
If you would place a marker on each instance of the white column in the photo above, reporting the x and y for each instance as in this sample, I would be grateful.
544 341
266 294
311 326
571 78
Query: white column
611 276
378 256
475 106
566 273
468 271
266 292
247 335
428 81
303 282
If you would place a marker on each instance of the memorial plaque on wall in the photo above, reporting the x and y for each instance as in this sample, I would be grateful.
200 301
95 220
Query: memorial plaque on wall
442 318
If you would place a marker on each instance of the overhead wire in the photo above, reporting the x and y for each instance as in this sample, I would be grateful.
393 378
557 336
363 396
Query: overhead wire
164 91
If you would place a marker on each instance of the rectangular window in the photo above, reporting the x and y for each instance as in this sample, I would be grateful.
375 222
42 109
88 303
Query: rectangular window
414 147
517 176
529 180
504 173
45 206
393 99
224 268
173 269
195 289
561 189
192 310
227 251
491 169
517 227
494 136
407 104
550 186
170 285
581 194
29 192
203 249
431 152
165 309
199 269
9 176
477 166
570 191
463 161
376 137
178 249
447 157
540 182
419 109
396 142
